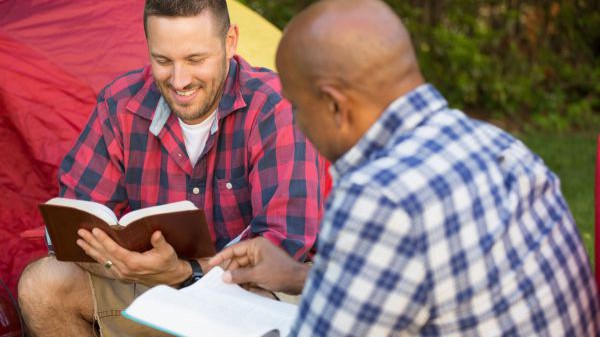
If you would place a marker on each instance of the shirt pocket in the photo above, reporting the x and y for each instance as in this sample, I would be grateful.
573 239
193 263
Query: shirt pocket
232 207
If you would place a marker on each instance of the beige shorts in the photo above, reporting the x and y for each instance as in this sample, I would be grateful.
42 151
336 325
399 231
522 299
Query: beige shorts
112 296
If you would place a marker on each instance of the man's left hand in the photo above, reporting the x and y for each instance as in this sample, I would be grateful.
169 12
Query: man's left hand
158 265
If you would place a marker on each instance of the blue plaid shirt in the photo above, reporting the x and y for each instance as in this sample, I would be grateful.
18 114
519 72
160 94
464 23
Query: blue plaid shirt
440 225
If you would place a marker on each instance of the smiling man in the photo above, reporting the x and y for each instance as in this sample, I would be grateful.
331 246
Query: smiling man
190 76
199 124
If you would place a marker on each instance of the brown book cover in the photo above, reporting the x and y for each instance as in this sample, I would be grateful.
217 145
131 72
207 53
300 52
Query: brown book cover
185 230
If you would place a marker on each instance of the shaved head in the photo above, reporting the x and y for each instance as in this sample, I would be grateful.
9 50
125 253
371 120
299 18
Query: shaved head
345 61
361 44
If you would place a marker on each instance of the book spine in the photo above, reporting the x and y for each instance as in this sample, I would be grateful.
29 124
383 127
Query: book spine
49 232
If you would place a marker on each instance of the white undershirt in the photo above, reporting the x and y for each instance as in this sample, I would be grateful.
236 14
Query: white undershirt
195 136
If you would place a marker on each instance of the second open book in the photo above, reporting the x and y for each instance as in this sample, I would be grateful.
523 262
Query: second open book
211 307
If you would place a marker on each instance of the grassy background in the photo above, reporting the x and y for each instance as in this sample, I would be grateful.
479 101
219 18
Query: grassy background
572 157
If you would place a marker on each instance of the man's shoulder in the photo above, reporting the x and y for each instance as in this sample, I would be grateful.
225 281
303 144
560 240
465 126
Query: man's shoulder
259 80
435 160
127 85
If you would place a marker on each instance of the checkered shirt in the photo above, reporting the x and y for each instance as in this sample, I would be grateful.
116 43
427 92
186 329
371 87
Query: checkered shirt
256 170
440 225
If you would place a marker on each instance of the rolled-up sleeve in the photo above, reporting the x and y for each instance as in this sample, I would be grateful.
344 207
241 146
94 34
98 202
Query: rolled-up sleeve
286 179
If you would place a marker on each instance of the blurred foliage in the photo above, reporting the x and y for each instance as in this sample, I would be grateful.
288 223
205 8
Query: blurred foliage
531 64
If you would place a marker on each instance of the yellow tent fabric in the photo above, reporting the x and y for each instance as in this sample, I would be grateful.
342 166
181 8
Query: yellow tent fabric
258 37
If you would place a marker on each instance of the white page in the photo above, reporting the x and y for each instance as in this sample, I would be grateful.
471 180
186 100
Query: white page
211 308
130 217
99 210
212 283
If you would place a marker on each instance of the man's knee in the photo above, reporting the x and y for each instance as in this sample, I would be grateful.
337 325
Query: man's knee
47 280
55 296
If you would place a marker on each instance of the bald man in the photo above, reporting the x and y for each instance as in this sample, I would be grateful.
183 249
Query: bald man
438 224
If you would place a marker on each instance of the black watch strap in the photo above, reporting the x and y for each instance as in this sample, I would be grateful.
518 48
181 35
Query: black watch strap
196 273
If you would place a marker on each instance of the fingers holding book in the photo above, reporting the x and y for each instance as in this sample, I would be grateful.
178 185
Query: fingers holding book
94 246
159 265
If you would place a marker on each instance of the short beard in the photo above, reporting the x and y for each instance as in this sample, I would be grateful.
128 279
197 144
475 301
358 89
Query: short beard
207 107
204 110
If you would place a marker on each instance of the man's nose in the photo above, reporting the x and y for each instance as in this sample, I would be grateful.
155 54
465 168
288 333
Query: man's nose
180 77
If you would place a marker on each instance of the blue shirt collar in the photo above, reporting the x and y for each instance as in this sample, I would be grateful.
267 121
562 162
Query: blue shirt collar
402 115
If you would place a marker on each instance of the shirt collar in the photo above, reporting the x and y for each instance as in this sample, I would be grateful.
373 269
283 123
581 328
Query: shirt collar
402 115
231 100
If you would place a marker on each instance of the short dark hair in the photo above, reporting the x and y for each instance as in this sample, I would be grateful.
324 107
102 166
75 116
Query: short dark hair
187 8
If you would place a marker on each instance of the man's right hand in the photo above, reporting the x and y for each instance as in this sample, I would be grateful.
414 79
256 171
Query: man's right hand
259 262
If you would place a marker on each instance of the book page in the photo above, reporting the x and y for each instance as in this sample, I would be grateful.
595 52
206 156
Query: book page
211 307
99 210
212 282
130 217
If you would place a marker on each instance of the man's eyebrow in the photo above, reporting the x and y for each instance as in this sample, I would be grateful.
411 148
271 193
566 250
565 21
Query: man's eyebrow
196 55
155 55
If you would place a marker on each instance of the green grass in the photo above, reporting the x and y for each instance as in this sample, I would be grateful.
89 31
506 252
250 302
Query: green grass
573 158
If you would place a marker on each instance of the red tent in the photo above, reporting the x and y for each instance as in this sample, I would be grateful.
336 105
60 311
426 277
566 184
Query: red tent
55 55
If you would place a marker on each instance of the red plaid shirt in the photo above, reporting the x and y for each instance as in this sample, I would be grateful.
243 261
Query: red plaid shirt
256 170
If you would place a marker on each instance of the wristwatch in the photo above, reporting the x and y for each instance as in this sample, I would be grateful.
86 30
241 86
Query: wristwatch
196 273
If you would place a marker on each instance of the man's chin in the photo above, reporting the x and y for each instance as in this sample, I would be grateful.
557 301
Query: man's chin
189 116
188 112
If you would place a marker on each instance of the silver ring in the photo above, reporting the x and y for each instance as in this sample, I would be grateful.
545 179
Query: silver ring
108 264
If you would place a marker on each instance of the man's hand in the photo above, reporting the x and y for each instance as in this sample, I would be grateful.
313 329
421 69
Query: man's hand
159 265
258 261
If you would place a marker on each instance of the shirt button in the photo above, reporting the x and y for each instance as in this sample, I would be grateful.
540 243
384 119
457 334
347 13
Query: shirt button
195 190
229 186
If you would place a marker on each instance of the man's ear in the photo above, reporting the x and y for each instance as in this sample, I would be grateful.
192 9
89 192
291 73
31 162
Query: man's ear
337 104
231 40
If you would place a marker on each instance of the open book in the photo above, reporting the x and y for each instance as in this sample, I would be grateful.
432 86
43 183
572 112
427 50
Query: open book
181 223
211 307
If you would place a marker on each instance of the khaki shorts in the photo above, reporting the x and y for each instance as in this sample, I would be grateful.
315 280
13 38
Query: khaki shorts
112 296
